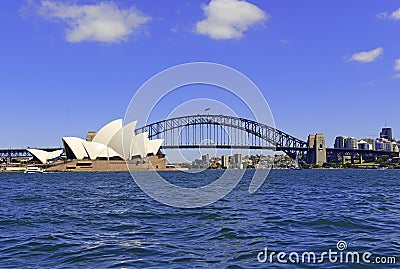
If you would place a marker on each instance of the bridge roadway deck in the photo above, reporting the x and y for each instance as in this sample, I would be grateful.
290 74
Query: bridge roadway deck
303 149
21 153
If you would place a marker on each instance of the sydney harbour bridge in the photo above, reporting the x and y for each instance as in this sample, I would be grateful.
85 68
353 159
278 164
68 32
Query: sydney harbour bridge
229 132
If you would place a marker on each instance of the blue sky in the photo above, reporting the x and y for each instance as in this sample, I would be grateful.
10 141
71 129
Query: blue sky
323 66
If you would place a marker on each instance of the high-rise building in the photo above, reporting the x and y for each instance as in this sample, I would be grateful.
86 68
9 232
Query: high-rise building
394 147
340 142
205 158
364 145
379 144
387 146
371 142
387 133
237 157
351 143
225 161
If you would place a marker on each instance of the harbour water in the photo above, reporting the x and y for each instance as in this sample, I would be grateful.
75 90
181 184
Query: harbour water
103 220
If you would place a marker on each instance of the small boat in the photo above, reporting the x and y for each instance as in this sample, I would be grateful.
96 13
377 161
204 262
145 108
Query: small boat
33 170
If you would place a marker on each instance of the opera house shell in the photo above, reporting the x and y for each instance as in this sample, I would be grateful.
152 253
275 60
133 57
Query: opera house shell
45 156
108 144
106 151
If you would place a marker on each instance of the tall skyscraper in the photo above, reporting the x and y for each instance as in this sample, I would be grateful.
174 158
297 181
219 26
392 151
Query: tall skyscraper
225 161
205 159
340 142
387 133
237 158
351 143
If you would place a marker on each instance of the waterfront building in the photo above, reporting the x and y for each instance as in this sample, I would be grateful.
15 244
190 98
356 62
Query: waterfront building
237 160
44 156
340 142
237 157
379 144
351 143
225 161
363 145
394 147
205 159
108 144
371 142
113 148
387 146
110 149
387 134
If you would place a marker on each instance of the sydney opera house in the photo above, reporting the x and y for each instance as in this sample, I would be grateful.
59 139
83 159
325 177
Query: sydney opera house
113 148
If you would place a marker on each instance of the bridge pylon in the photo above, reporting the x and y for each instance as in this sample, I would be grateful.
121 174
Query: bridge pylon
317 153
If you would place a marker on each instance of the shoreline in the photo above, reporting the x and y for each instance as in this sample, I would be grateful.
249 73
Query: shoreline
22 169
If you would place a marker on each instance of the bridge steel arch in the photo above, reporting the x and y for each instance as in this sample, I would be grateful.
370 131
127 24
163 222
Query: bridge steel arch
263 136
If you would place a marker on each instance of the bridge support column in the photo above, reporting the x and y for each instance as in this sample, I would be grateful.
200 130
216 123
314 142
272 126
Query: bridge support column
317 154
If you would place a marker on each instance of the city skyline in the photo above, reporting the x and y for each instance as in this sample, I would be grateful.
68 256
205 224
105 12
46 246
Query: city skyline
386 141
329 68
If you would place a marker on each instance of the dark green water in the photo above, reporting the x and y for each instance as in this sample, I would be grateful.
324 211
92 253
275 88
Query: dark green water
103 220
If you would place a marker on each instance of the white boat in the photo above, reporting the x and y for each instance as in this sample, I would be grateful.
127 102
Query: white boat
33 170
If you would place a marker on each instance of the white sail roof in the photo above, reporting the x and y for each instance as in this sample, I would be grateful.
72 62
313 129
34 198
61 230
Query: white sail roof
152 146
76 146
54 154
110 141
105 134
108 153
43 156
93 149
123 137
138 146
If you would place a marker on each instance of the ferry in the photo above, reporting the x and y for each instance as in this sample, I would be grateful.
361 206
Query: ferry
33 170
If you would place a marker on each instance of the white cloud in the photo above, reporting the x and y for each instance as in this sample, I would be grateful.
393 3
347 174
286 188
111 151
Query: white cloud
229 19
395 15
367 56
284 41
397 65
104 22
382 15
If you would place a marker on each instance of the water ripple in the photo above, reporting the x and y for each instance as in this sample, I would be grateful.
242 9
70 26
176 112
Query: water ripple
103 220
